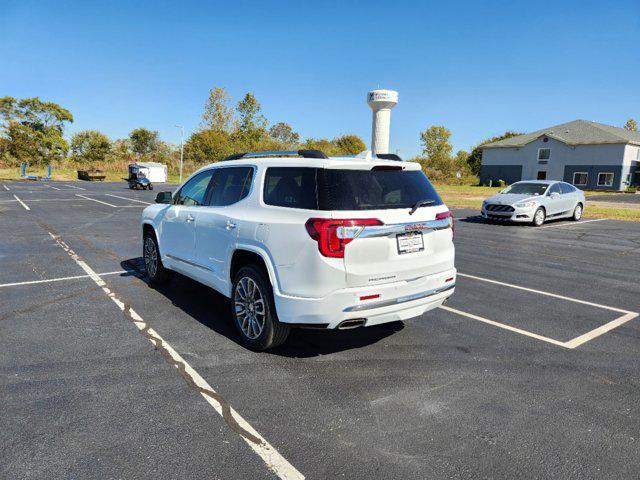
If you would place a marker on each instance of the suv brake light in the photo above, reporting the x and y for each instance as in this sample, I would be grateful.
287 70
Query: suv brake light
447 214
333 234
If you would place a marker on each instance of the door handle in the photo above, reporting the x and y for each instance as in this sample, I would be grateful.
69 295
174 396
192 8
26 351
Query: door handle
230 225
190 218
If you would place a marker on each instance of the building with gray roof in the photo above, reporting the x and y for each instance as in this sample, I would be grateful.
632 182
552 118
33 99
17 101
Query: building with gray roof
587 154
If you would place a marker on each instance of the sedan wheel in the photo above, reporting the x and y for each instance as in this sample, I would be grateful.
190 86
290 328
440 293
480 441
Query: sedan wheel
539 217
577 213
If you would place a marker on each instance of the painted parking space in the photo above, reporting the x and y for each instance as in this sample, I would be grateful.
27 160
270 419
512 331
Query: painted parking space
390 401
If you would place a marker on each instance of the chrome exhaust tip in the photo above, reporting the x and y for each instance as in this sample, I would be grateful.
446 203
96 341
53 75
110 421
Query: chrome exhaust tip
352 323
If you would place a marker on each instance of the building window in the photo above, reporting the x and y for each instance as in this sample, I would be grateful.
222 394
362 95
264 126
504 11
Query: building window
605 179
580 178
544 153
543 162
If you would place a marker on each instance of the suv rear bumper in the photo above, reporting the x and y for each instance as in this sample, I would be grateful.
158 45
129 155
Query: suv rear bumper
396 301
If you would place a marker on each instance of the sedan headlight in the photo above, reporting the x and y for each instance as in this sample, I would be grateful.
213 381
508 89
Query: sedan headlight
526 204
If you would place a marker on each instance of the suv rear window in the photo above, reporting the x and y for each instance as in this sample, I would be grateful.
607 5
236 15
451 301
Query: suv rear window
373 189
333 189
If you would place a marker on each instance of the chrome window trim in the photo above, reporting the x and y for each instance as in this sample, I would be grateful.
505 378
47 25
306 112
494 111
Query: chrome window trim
193 264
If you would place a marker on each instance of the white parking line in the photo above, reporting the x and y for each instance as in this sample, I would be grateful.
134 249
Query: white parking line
73 186
31 200
542 292
573 224
51 186
130 199
21 202
94 200
59 279
596 332
504 326
271 457
573 343
5 187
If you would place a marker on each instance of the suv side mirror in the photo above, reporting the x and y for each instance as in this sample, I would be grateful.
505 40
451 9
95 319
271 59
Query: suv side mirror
163 197
554 195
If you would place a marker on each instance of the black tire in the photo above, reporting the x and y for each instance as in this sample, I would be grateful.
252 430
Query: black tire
156 273
150 187
131 186
272 333
577 212
539 217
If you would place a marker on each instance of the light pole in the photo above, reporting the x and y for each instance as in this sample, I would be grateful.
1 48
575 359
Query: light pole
181 148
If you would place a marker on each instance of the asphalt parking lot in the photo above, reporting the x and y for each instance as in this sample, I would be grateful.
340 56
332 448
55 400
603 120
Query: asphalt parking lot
532 370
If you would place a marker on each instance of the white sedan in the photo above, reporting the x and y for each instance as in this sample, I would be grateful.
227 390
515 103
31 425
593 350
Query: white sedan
535 201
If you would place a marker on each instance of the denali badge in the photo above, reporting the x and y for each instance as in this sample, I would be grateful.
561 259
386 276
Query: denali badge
414 226
377 279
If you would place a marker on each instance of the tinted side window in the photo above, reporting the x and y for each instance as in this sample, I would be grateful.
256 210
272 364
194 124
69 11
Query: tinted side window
230 185
555 188
566 188
193 192
293 187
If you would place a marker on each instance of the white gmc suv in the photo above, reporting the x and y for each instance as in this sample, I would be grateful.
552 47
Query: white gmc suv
298 239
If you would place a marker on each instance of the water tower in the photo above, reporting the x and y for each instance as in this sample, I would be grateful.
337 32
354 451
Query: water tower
381 102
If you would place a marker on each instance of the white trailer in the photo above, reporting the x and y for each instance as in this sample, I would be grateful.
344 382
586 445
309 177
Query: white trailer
155 172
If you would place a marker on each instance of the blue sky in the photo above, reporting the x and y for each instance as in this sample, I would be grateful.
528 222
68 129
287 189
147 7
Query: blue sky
478 68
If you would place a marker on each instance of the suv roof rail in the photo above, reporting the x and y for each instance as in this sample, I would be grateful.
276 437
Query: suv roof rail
277 153
389 156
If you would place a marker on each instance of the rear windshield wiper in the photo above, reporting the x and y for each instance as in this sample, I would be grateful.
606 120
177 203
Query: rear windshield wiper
420 203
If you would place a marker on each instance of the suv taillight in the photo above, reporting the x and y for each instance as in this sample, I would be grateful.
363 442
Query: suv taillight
333 234
442 216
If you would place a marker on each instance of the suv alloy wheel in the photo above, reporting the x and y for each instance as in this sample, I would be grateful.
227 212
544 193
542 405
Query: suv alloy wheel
156 273
254 312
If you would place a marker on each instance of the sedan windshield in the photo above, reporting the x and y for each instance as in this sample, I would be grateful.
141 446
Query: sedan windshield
526 189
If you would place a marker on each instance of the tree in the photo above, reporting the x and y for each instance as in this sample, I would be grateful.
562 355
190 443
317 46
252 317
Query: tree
143 141
475 158
90 146
207 146
252 125
349 144
435 143
631 125
33 129
460 162
283 133
322 144
218 113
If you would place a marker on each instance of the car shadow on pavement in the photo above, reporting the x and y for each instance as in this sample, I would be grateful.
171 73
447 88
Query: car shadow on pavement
213 310
479 219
